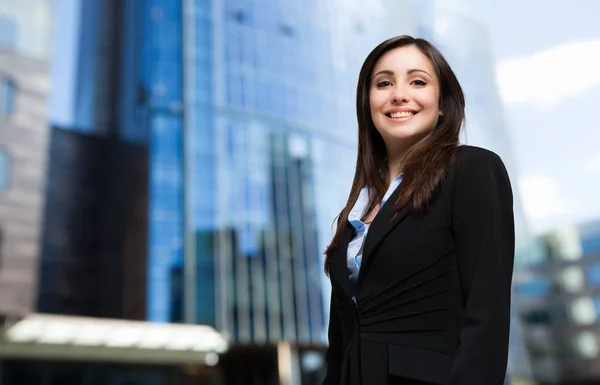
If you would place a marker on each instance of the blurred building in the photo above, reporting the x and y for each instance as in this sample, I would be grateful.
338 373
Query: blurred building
177 171
559 301
23 142
188 172
73 233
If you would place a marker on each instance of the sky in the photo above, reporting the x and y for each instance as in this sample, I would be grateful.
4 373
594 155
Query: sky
547 62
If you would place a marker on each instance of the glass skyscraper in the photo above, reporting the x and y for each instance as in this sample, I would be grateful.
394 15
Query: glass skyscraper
255 123
198 155
199 152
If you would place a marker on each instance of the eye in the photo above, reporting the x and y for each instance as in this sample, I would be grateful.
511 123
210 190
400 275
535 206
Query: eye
384 83
419 83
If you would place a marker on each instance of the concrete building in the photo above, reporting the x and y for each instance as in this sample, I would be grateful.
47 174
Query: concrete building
24 134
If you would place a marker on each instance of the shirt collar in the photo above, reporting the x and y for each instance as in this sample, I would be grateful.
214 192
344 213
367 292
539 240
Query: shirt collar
395 183
363 200
359 207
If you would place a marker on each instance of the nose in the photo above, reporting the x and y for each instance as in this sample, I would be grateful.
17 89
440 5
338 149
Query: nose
399 94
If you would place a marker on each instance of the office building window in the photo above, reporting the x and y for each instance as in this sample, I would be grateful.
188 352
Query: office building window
4 165
7 93
535 288
537 317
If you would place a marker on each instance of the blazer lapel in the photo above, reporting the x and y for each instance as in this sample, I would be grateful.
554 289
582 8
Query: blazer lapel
382 225
339 267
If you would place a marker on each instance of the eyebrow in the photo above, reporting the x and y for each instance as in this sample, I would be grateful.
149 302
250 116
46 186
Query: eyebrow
410 72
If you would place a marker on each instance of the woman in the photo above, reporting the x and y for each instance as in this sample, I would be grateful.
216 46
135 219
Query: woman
425 297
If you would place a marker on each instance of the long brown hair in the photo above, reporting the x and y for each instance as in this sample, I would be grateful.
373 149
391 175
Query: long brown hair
426 162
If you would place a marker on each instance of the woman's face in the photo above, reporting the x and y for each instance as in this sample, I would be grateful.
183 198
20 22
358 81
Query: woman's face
404 96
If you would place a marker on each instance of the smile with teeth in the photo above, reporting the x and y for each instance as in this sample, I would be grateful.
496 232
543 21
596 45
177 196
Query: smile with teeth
403 114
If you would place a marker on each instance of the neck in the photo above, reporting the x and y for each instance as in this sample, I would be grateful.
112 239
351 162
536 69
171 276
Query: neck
395 161
396 152
395 166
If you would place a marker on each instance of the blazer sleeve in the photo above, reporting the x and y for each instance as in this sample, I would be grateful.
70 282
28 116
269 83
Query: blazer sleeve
335 349
483 227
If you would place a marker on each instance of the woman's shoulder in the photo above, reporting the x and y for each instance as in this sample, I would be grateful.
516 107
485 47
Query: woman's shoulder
472 154
473 158
476 166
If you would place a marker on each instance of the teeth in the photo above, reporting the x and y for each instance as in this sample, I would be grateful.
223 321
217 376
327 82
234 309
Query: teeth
403 114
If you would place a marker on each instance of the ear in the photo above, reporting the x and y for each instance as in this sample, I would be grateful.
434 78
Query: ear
441 113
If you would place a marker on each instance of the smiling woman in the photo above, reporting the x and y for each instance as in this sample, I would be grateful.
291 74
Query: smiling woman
421 261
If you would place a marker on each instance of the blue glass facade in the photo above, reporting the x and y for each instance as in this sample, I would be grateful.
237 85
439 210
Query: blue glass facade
160 80
200 159
239 107
269 97
249 179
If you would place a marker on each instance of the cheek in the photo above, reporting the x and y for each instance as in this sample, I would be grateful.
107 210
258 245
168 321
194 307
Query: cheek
431 101
376 104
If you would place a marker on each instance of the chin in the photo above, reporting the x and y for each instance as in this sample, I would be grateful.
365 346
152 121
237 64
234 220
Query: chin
406 133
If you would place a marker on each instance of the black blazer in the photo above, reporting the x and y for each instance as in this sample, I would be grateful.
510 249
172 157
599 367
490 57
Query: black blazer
433 293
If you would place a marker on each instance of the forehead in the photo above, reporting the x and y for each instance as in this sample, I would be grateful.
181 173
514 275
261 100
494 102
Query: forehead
402 59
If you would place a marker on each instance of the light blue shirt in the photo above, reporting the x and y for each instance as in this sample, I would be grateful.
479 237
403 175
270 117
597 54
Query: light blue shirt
355 247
